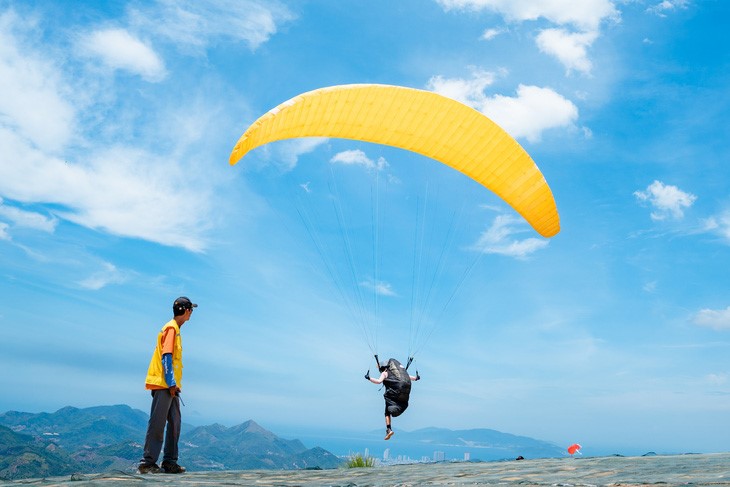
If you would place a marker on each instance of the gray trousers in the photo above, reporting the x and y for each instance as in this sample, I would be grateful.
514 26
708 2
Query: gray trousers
165 410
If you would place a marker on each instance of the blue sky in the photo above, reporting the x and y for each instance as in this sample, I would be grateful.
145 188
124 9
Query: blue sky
116 122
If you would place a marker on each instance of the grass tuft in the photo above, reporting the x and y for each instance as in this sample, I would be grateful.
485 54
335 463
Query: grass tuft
360 461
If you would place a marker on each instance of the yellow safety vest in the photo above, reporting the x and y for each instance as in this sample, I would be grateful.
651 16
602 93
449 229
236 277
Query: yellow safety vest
155 372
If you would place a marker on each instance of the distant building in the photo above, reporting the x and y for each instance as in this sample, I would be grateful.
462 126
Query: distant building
438 456
367 452
386 454
467 456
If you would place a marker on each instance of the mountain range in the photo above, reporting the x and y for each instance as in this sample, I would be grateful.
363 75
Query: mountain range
104 438
107 438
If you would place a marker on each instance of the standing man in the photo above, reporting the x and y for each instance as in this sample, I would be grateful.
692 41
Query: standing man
164 379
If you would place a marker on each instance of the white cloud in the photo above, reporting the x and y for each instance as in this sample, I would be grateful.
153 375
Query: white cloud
4 235
381 288
527 115
31 102
28 219
286 153
467 91
500 239
197 23
715 319
586 15
109 274
719 225
358 158
531 112
665 6
118 49
490 34
667 200
131 199
571 49
126 192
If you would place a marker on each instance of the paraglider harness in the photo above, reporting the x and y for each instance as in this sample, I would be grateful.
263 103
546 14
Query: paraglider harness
397 386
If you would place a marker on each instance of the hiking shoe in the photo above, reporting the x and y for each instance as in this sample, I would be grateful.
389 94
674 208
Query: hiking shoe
172 467
388 434
144 468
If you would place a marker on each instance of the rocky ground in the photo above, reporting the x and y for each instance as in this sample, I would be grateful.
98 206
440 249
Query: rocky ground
705 469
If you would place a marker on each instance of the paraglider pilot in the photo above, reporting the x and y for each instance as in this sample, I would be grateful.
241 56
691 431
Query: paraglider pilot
397 384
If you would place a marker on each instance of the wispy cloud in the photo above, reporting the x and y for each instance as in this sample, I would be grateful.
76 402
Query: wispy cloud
285 154
27 219
108 274
490 34
711 318
665 6
719 225
650 287
528 114
357 157
120 50
4 235
667 200
585 15
500 238
193 25
124 190
31 104
381 288
579 24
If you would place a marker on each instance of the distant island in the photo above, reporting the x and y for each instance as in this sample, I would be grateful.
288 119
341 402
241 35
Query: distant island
438 444
106 438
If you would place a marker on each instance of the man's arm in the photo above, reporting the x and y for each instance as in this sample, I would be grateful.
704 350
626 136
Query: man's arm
380 379
167 367
168 345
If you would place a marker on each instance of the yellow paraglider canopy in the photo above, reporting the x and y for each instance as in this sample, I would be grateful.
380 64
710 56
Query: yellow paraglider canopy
420 121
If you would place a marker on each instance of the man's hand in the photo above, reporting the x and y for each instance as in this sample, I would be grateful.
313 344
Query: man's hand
174 390
367 375
418 377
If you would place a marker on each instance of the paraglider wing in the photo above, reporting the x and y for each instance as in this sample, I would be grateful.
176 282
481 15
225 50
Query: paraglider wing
419 121
573 448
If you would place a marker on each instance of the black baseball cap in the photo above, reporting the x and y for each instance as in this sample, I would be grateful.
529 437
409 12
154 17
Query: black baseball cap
183 303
